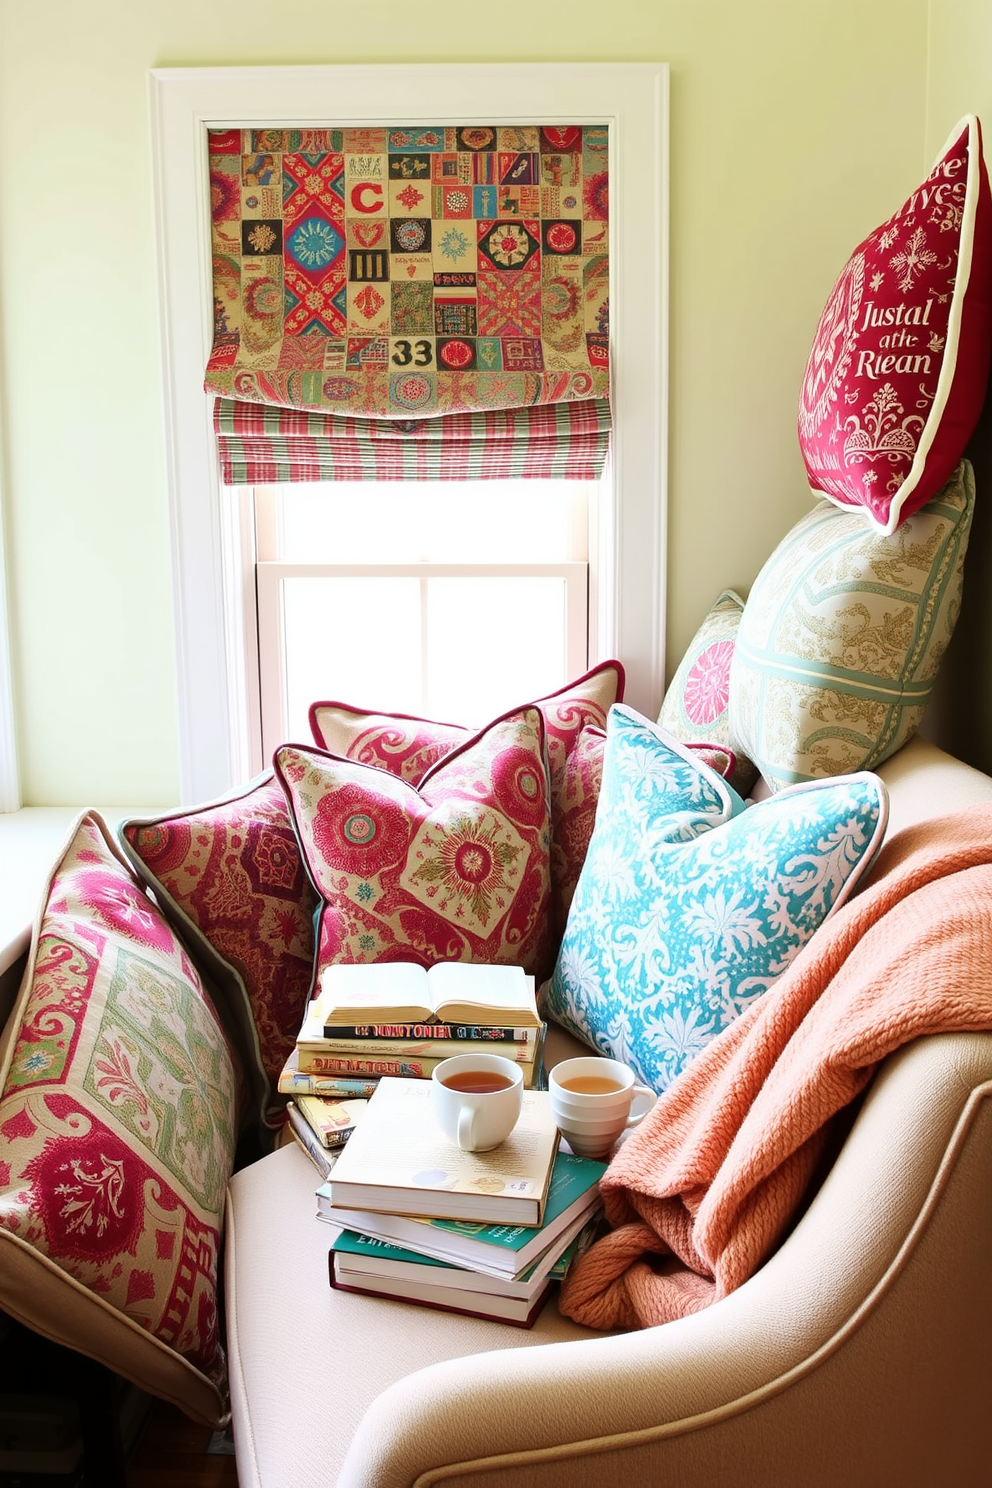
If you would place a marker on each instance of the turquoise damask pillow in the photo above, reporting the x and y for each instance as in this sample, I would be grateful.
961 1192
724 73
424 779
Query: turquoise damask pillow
688 907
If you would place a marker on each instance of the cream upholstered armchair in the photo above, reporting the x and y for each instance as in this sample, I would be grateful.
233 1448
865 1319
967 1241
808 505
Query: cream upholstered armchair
859 1354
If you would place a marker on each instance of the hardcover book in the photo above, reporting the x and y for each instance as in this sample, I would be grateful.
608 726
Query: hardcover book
294 1081
502 1250
456 1034
333 1120
520 1311
450 992
399 1161
405 1066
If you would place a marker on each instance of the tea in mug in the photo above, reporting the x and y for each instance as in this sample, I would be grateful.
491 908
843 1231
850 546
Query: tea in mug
591 1085
477 1081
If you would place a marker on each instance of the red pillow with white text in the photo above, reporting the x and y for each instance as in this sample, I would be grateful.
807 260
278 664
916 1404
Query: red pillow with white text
408 746
896 377
456 869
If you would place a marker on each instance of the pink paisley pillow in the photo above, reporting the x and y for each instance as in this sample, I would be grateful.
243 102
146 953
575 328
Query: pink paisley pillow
230 877
119 1100
408 747
896 377
695 710
456 869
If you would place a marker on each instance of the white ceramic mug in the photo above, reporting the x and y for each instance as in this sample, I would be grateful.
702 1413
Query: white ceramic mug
477 1119
592 1101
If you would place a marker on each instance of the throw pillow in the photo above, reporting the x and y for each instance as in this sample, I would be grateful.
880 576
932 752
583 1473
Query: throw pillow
684 912
842 635
896 377
118 1114
230 878
409 746
455 869
695 709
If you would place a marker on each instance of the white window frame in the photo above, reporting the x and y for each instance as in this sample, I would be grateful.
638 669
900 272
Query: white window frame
212 564
10 785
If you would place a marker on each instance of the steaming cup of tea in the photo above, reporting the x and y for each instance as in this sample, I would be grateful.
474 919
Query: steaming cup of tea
477 1099
593 1100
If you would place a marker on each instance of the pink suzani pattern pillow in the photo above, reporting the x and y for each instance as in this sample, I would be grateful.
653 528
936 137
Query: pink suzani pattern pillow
230 877
896 377
119 1100
456 869
408 747
695 709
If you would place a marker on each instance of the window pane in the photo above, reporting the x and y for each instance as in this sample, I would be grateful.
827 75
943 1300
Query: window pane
352 640
458 649
493 642
431 522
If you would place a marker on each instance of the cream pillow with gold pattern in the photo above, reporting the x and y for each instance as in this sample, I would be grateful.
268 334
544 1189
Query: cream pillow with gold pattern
842 635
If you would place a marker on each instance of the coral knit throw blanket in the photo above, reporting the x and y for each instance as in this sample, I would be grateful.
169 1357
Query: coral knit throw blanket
714 1174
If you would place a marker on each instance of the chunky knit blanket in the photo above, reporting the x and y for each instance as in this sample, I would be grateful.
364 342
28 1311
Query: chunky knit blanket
714 1175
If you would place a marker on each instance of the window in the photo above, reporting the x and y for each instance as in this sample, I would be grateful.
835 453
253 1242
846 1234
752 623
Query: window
470 597
217 654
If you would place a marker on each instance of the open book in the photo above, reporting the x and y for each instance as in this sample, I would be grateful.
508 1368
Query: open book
450 992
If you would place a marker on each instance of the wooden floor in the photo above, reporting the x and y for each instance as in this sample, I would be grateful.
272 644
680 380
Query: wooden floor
171 1452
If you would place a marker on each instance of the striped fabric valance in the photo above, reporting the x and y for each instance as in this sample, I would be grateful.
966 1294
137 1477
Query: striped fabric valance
398 272
556 441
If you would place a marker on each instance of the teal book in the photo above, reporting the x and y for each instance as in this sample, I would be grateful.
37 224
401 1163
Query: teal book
501 1250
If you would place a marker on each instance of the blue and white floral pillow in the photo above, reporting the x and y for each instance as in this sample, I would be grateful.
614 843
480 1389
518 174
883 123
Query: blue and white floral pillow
689 907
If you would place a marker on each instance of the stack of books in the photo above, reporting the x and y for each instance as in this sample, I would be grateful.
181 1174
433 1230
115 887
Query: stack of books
483 1233
398 1019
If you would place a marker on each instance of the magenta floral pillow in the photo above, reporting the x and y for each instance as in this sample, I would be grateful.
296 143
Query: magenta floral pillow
695 709
119 1102
409 746
896 376
231 878
455 869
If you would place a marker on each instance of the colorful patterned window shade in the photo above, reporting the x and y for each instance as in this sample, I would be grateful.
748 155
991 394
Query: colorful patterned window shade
260 444
398 273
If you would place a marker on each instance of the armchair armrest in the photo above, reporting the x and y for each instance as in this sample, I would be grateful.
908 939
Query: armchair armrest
859 1354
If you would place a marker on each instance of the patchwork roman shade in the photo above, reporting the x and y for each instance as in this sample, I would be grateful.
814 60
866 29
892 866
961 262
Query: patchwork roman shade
410 302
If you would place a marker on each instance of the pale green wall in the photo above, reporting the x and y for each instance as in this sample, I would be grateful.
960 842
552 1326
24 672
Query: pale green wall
796 127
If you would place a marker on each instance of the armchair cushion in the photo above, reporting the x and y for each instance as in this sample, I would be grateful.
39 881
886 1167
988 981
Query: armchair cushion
408 747
230 877
842 635
896 377
689 907
119 1101
455 870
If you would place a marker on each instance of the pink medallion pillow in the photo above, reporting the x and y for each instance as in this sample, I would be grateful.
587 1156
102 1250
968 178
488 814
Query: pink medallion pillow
695 710
455 869
896 377
119 1099
231 879
409 746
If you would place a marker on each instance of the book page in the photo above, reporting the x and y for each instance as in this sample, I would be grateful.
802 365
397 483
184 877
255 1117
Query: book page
375 986
456 985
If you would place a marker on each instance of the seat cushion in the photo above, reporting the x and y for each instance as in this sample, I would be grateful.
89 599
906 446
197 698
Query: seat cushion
277 1282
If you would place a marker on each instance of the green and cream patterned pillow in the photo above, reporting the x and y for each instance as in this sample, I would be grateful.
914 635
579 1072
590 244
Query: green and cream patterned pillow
842 635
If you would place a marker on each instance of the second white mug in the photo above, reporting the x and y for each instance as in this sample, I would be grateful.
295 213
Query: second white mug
593 1101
